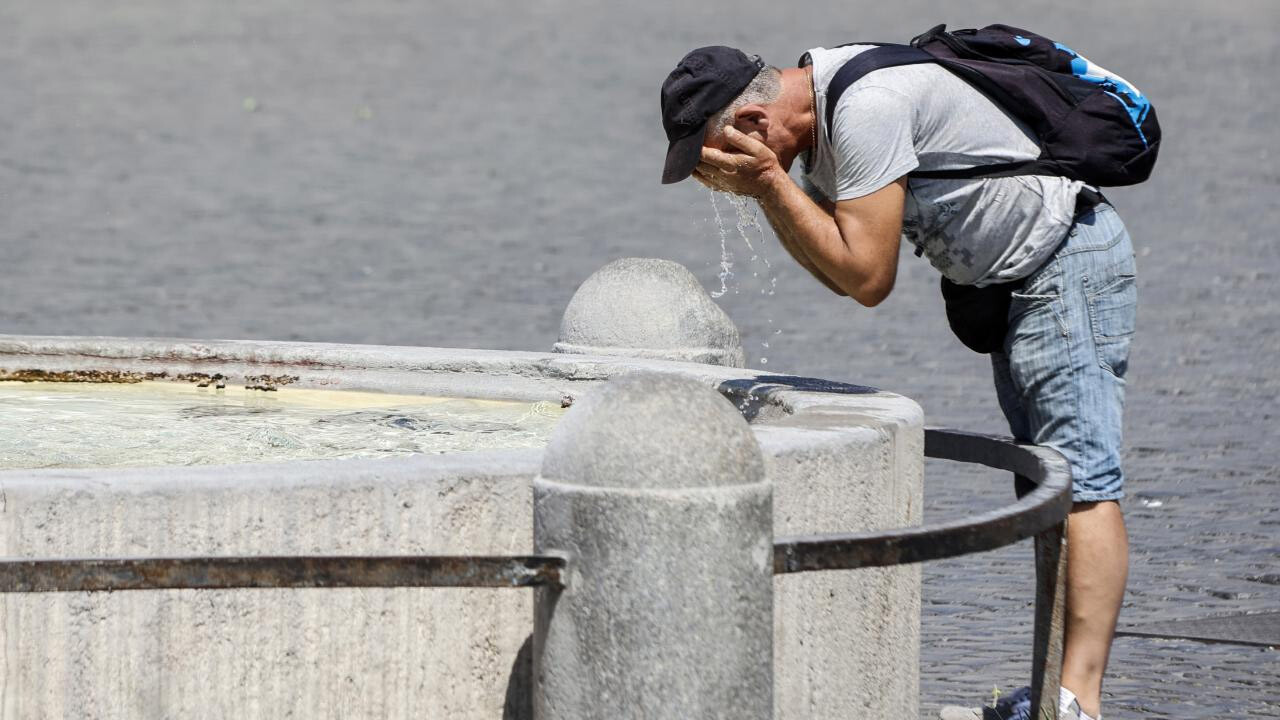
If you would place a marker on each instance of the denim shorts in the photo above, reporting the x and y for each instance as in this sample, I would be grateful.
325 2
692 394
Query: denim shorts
1060 377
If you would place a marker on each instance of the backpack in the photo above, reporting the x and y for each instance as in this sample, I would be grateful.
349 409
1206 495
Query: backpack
1091 124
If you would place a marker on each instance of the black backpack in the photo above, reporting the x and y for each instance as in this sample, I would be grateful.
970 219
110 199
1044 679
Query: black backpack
1092 126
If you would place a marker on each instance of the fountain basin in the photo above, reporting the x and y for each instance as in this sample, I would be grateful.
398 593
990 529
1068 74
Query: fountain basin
841 458
206 422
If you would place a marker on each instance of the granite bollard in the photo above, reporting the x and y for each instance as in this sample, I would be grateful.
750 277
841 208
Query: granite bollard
844 641
648 308
653 487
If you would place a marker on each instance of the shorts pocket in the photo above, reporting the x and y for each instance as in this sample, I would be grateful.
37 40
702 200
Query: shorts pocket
1041 313
1112 315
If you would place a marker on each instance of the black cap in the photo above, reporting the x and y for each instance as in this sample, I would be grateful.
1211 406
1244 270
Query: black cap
702 84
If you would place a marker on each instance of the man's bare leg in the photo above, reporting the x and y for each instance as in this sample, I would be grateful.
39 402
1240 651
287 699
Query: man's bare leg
1097 570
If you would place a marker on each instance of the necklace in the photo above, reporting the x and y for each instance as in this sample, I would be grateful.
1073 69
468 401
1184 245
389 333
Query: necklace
813 121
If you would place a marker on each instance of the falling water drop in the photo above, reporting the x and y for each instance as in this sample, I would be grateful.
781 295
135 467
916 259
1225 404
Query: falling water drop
726 260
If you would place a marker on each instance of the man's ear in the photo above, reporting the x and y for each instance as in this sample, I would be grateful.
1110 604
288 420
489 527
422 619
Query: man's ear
752 120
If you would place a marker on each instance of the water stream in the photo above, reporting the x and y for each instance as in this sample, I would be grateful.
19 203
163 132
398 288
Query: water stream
726 258
747 224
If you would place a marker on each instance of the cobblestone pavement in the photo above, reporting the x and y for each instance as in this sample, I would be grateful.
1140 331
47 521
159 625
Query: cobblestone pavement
446 173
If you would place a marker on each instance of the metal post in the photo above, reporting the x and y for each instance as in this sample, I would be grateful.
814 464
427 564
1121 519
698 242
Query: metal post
1051 604
653 489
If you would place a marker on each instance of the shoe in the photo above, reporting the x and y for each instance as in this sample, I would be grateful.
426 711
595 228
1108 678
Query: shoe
1072 712
1014 706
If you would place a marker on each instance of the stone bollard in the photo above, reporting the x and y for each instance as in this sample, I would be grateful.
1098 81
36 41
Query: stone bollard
653 487
650 308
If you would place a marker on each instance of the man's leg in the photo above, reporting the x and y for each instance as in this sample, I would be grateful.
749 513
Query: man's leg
1097 569
1061 384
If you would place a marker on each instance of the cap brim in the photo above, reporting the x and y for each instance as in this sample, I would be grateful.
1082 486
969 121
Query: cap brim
683 156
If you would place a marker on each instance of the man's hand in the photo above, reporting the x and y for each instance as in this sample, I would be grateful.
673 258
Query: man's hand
853 251
750 168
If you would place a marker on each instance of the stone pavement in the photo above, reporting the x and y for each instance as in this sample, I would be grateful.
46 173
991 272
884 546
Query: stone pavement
447 173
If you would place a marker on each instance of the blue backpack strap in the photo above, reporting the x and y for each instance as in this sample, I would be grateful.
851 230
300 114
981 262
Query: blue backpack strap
867 61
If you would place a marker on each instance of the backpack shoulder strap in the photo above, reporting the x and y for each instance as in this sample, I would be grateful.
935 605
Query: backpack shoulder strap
868 61
888 55
997 170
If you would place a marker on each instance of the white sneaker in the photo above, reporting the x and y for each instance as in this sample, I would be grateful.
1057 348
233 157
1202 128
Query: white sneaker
1014 706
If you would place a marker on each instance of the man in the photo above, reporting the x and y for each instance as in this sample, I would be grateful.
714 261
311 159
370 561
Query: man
738 125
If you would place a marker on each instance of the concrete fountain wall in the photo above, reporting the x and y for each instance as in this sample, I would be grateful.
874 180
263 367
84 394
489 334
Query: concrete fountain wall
840 458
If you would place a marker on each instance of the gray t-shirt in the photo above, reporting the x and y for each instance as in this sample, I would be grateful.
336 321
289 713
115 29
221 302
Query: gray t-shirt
895 120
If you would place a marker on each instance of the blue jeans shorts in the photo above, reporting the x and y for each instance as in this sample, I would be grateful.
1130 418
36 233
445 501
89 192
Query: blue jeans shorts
1060 378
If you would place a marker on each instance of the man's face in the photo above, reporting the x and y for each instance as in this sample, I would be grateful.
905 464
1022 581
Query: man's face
752 121
715 140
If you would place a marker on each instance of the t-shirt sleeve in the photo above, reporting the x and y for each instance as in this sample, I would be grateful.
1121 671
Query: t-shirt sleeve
872 140
813 191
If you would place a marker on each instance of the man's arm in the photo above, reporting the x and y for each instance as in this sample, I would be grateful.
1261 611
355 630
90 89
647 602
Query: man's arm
856 248
789 243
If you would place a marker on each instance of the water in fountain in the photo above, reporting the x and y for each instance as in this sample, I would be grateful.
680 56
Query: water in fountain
76 425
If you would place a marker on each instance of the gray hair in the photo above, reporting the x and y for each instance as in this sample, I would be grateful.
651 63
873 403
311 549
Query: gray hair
765 89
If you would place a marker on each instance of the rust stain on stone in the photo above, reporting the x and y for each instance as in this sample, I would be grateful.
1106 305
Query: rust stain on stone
268 382
199 379
218 380
83 376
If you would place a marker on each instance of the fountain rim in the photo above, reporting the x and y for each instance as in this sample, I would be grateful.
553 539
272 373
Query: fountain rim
797 410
